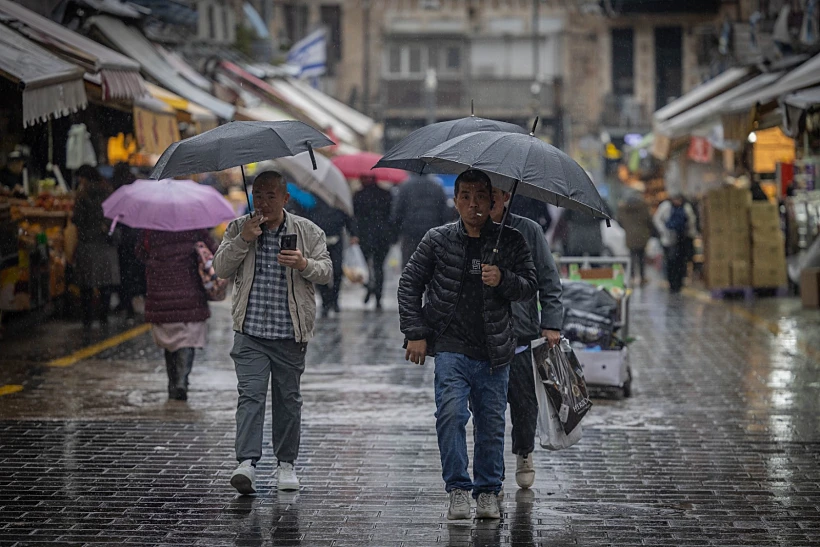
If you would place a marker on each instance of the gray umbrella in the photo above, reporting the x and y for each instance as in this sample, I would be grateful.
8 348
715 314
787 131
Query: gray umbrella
520 163
407 153
237 144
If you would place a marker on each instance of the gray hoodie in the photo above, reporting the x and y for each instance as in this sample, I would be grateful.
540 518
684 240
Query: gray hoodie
527 322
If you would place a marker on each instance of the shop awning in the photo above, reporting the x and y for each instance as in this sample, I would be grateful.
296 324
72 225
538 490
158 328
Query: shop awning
120 75
805 75
295 101
710 111
51 86
203 118
354 119
261 113
131 42
701 93
794 108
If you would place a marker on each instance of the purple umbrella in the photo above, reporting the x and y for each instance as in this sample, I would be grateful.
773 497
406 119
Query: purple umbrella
168 205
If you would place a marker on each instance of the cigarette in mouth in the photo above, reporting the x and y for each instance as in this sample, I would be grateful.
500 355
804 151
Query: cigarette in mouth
479 215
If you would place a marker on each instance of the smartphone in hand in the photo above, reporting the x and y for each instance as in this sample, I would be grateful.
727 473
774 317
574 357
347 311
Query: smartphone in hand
287 242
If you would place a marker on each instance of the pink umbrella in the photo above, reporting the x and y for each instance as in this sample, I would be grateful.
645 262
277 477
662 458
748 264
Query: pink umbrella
169 205
353 166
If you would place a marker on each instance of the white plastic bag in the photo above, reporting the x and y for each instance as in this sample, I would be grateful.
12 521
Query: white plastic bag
354 265
549 428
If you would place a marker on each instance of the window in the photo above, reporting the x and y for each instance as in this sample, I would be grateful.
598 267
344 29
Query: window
296 21
332 20
226 25
415 61
394 61
453 60
623 61
211 21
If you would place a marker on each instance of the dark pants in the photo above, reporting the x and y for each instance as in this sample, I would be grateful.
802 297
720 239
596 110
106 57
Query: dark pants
330 293
676 260
523 403
178 365
638 261
376 254
87 304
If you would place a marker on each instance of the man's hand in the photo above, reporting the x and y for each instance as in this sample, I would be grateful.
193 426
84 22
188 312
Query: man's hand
354 240
416 351
553 337
293 259
490 275
253 227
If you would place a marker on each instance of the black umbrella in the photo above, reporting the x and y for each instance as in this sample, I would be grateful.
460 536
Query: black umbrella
408 152
237 144
520 163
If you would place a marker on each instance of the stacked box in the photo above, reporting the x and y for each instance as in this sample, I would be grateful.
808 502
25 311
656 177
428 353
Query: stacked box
726 237
768 245
741 273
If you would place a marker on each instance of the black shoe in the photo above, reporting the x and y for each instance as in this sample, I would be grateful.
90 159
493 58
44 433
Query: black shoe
367 296
336 308
325 313
178 394
379 304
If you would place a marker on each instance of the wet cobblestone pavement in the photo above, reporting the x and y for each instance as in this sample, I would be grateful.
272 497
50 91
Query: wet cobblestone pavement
719 445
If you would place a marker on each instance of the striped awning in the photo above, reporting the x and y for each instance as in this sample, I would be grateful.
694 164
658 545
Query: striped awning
51 87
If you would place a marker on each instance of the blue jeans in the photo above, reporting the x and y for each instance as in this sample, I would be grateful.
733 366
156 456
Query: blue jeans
459 378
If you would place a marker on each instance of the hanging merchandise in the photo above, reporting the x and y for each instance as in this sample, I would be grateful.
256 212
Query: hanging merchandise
809 28
79 150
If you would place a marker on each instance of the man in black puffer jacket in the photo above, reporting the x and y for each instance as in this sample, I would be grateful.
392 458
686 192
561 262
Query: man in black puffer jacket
466 324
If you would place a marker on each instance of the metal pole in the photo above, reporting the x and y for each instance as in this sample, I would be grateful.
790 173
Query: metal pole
245 187
536 42
366 57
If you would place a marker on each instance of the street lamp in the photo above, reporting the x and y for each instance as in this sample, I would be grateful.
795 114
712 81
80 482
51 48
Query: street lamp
430 87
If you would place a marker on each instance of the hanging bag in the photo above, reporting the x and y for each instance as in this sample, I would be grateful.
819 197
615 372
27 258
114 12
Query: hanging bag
549 428
216 289
561 376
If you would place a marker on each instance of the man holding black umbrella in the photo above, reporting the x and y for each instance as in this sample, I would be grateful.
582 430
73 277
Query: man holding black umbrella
466 325
276 258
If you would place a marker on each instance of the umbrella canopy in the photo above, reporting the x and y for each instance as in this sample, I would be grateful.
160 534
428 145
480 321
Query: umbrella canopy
354 166
168 205
237 144
326 182
545 172
408 152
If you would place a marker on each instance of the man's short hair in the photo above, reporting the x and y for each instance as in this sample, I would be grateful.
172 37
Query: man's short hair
473 175
274 177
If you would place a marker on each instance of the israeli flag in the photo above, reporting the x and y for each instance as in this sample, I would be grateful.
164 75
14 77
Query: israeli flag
309 55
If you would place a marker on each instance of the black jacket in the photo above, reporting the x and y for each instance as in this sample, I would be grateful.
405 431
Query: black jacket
436 270
372 205
420 205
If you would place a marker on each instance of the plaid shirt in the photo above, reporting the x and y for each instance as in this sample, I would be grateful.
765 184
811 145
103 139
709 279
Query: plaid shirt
268 313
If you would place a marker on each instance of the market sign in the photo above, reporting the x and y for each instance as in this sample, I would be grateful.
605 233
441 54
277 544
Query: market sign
700 150
154 131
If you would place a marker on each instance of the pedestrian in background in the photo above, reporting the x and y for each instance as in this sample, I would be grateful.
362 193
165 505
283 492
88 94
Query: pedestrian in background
529 324
175 304
333 223
466 323
636 220
132 270
96 261
372 205
676 223
420 205
273 308
580 234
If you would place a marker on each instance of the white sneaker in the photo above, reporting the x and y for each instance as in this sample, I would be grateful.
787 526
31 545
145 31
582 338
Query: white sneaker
459 505
244 478
287 477
487 506
524 471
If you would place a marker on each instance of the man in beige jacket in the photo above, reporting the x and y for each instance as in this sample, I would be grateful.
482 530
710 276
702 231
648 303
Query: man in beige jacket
274 307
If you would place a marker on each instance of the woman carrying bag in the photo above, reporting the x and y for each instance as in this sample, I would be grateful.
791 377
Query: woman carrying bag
176 303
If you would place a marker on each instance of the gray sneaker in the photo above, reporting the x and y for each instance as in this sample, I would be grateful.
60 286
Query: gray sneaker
459 505
487 506
244 478
524 471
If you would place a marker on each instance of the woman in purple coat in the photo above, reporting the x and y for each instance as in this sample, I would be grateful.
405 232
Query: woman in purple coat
175 303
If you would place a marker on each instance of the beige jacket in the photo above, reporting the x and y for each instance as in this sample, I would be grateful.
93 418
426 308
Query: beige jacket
234 256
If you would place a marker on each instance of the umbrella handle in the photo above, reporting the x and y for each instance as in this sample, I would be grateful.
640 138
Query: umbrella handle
114 225
503 223
312 156
245 187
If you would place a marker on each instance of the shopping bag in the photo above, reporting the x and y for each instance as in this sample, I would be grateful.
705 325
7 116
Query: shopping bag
562 377
549 428
354 265
216 289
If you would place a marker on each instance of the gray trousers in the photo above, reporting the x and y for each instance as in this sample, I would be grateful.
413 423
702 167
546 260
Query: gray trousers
257 361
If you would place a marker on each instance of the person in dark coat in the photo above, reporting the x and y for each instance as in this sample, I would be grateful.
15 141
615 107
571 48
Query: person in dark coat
466 322
580 234
533 209
175 303
333 222
97 265
371 206
420 205
636 220
132 271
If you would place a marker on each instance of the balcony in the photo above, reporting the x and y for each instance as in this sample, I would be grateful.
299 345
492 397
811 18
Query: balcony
493 97
624 112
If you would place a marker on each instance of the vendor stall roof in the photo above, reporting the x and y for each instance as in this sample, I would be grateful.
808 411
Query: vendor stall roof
198 113
805 75
129 41
701 93
120 75
51 86
354 119
711 110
